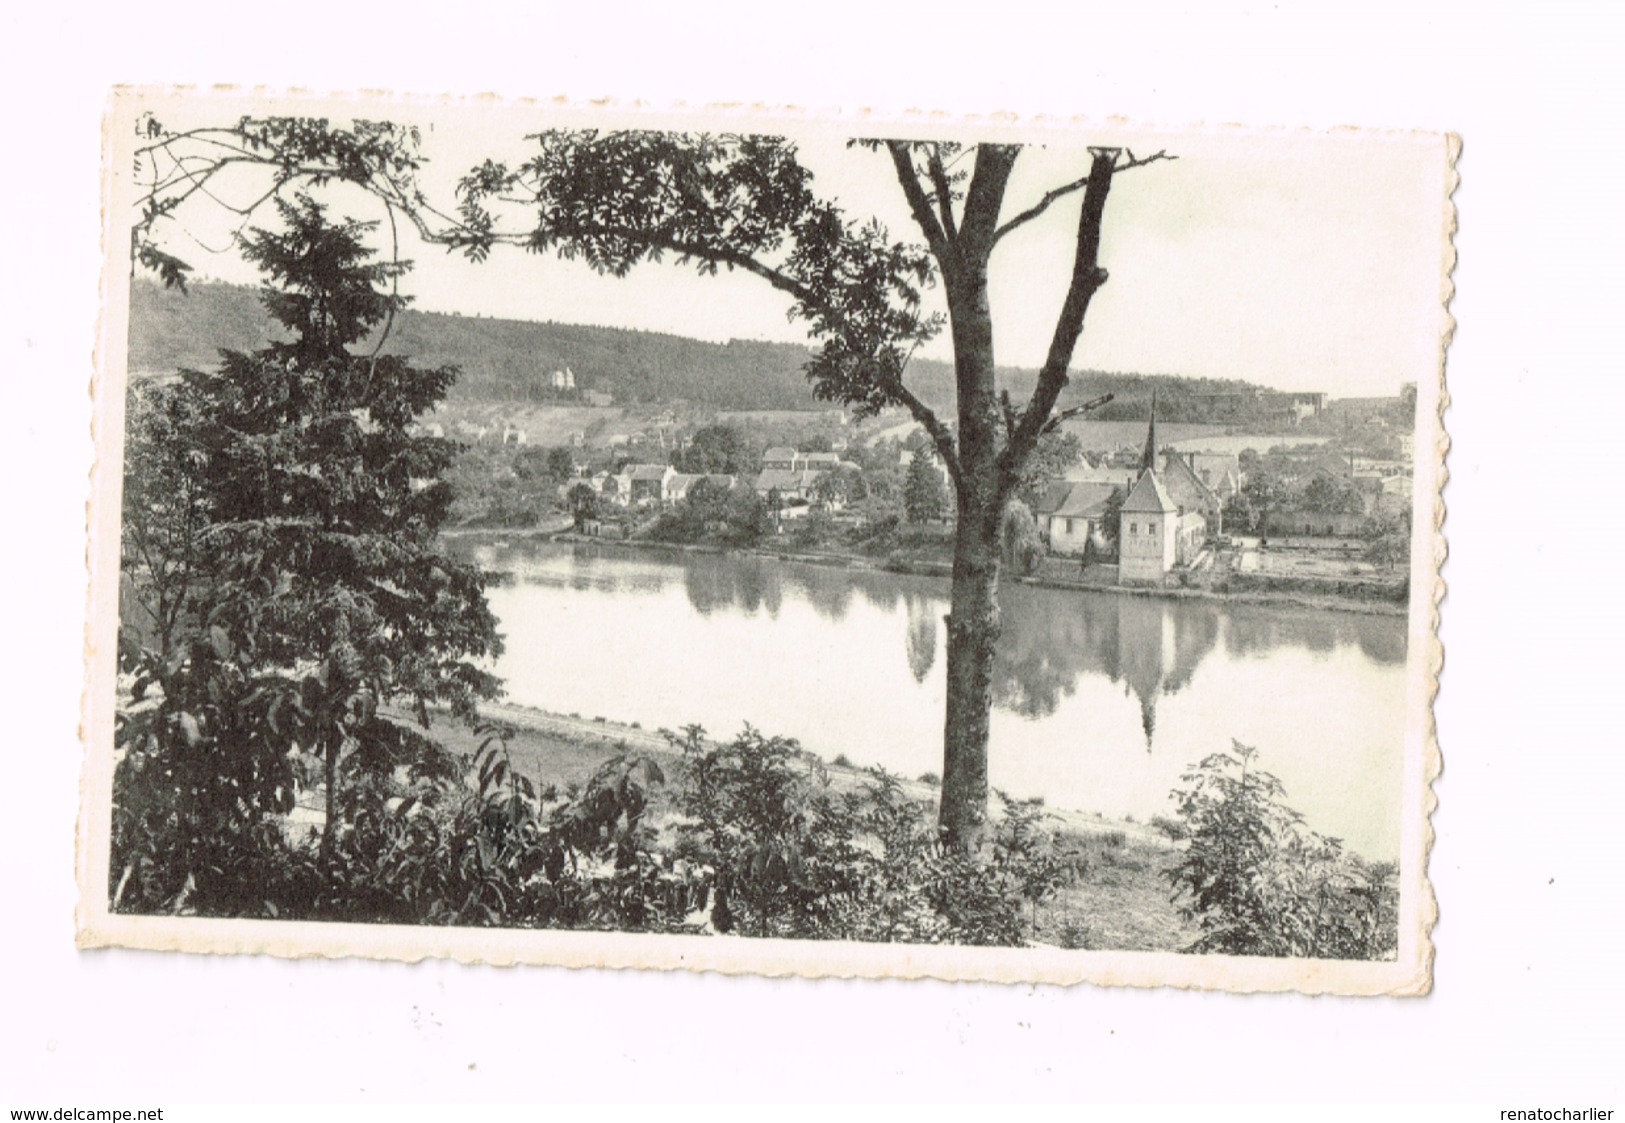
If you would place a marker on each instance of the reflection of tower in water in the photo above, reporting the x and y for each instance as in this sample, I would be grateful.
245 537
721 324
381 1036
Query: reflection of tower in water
1143 628
1160 647
1052 640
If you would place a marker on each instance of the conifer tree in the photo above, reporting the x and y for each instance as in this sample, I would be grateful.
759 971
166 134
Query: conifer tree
318 592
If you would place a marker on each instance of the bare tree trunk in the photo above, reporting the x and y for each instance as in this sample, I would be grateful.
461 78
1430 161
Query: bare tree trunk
973 634
973 619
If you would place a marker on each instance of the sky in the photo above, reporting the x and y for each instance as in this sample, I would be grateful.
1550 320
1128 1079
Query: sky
1300 260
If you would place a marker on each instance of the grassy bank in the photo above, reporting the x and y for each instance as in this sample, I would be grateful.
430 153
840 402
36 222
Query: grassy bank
1121 900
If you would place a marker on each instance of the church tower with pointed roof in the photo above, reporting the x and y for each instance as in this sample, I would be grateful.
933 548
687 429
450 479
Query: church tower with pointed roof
1148 456
1148 528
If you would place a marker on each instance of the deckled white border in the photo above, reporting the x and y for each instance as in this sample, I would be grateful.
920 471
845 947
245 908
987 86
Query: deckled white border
1411 974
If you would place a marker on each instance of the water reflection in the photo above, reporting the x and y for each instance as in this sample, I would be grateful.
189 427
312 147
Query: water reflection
1050 642
1100 698
751 587
923 616
751 584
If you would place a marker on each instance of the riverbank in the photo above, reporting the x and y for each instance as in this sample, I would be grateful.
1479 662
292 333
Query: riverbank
1295 596
1121 900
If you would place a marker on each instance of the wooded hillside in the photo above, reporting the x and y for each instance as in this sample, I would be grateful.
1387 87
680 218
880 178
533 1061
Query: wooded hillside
510 360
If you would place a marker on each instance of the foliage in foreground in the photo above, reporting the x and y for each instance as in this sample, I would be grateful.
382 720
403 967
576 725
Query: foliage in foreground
747 837
1258 882
760 844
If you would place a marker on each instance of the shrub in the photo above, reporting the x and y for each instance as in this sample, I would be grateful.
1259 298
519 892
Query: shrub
814 530
879 534
1258 882
780 841
1078 935
1172 828
793 858
423 846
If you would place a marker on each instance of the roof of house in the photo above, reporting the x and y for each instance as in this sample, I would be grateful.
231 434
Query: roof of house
784 479
1331 463
648 471
1087 474
780 454
1185 487
677 487
820 458
1074 500
1052 497
1148 494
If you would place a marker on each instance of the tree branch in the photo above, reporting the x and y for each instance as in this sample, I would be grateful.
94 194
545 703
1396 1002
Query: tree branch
1040 207
944 190
1134 161
941 436
1051 197
1074 411
935 236
985 195
1087 277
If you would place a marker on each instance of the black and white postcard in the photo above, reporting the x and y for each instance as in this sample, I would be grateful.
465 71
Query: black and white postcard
767 542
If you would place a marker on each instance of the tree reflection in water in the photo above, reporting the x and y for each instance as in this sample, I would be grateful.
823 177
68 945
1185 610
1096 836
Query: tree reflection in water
923 615
1152 646
1085 682
1051 638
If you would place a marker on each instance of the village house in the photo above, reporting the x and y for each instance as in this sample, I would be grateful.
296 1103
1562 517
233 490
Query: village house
647 483
1189 493
677 487
793 475
681 485
1107 474
1298 521
1070 515
600 399
788 483
615 489
779 460
1219 471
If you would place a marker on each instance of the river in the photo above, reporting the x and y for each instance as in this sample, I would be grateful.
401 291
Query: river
1100 700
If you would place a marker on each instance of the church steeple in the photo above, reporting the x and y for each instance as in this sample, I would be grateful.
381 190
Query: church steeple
1148 458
